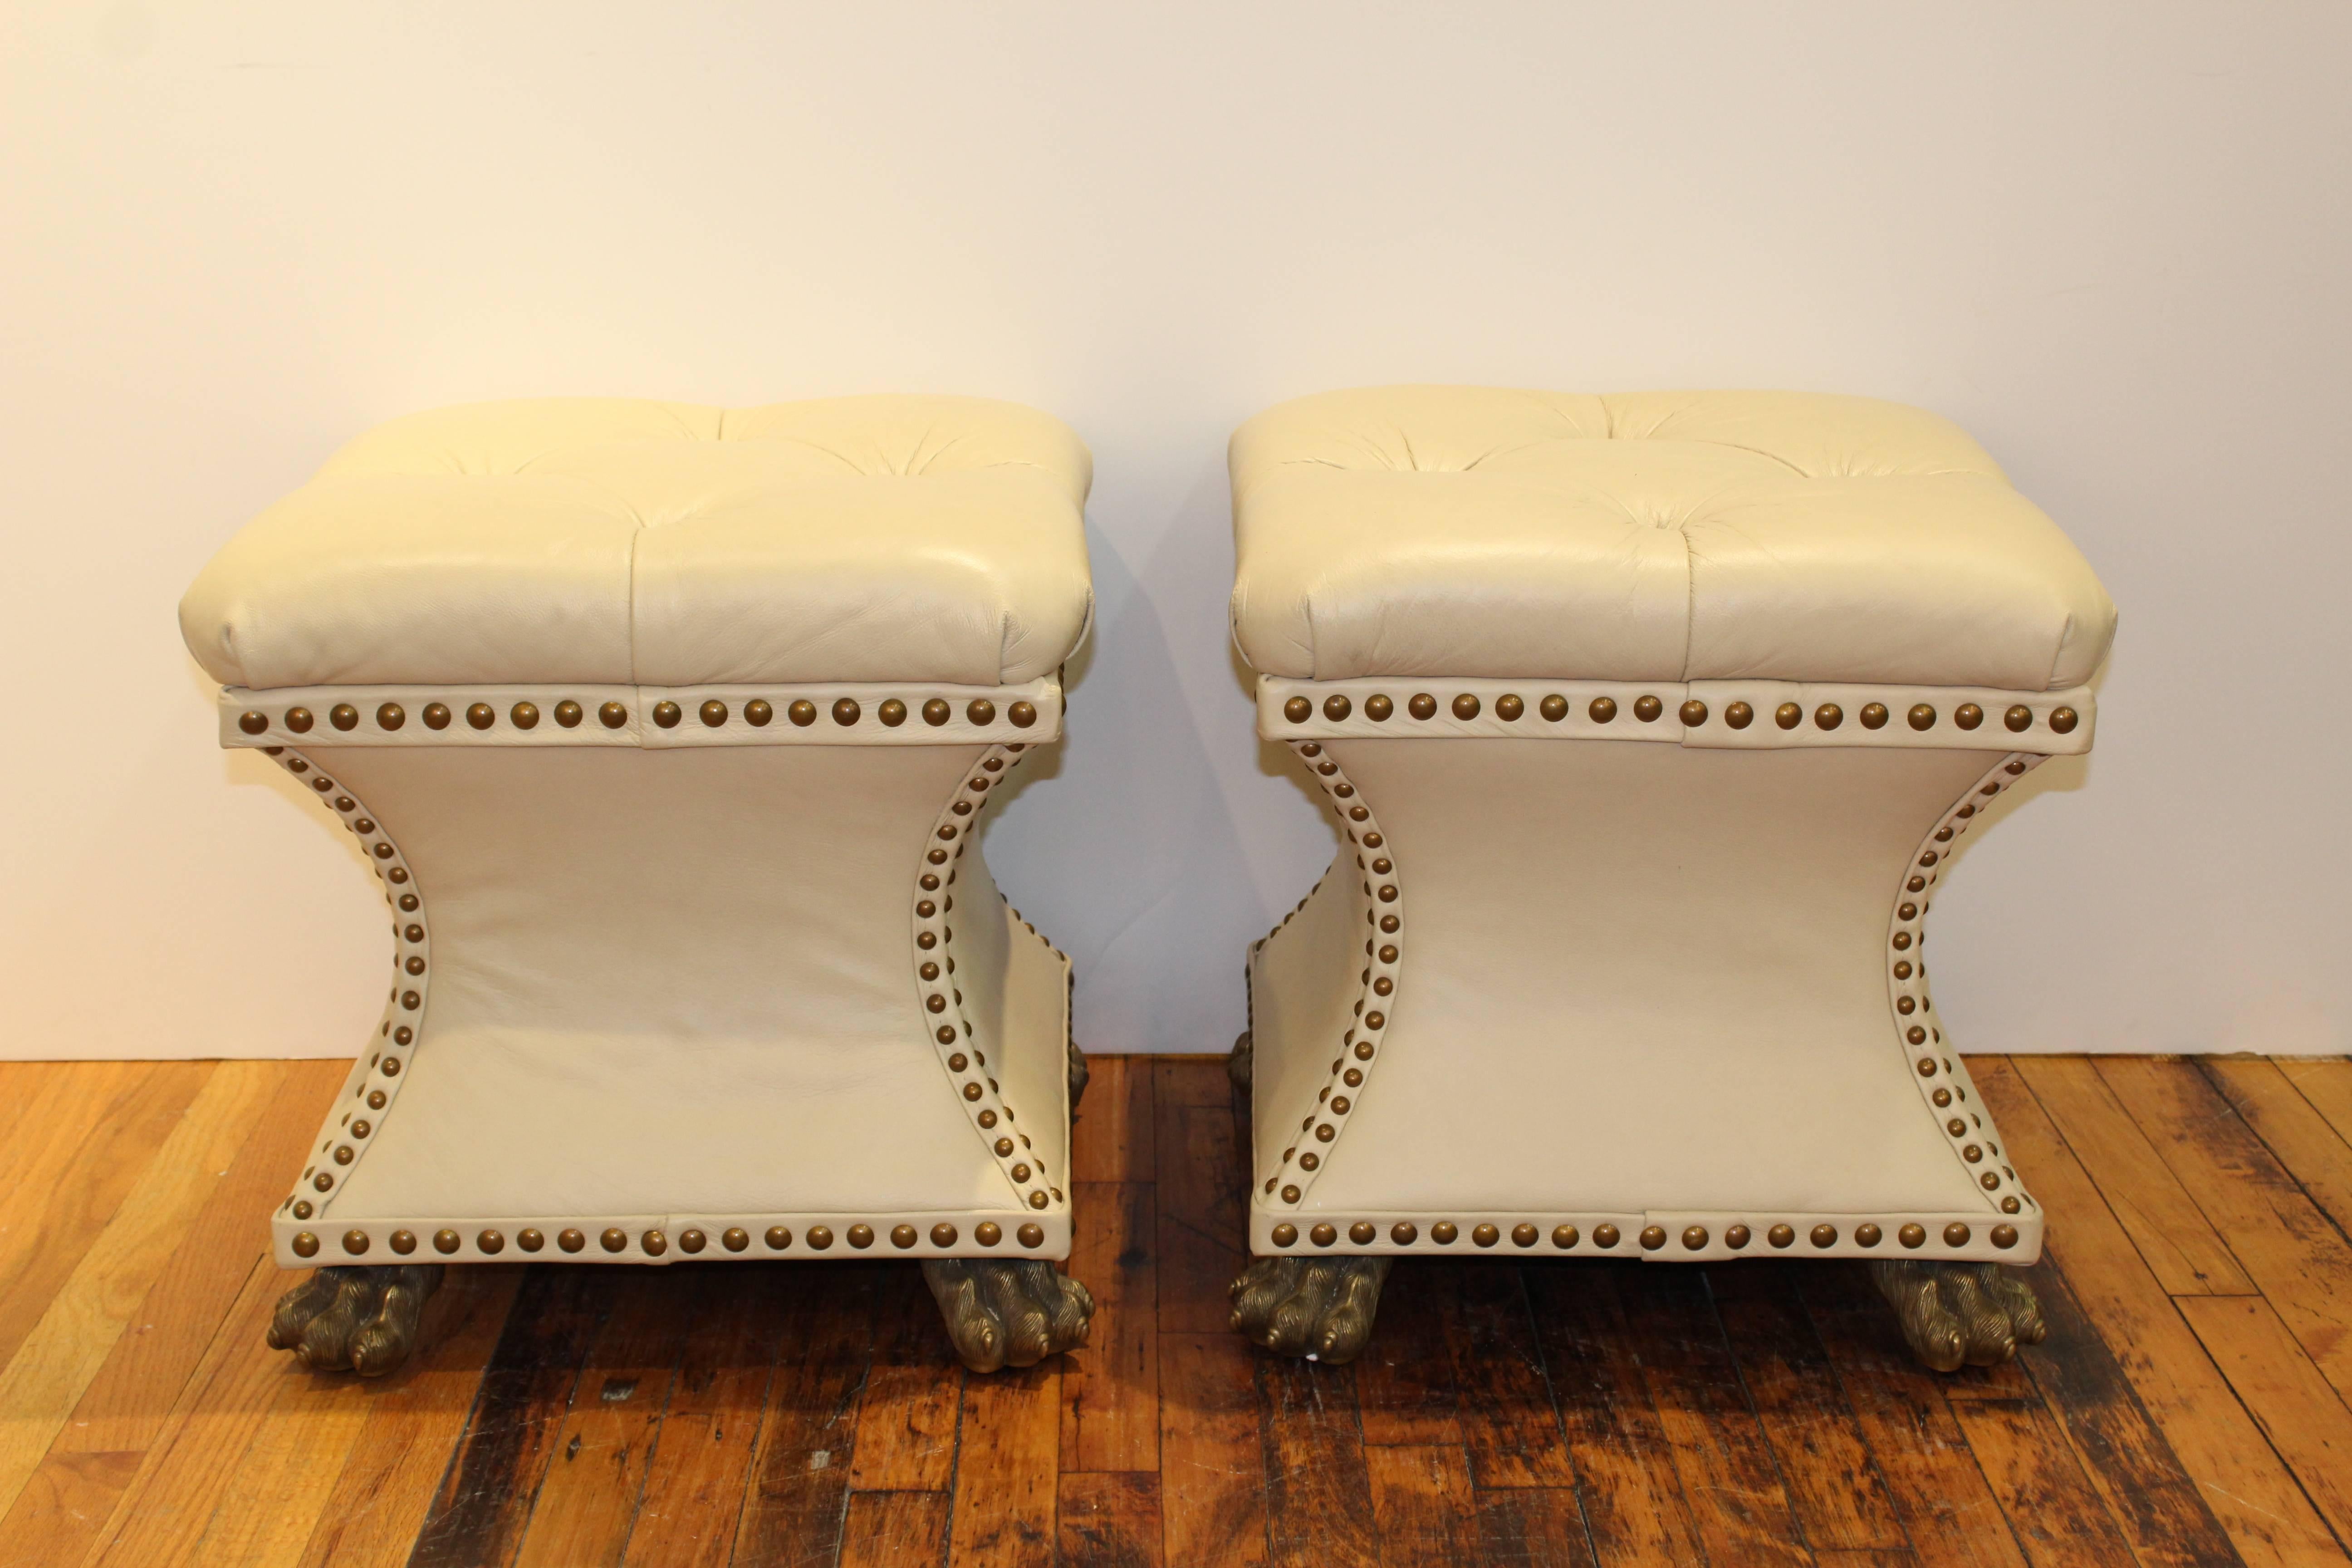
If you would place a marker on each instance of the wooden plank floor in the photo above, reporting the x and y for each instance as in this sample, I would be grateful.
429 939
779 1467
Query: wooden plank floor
2189 1408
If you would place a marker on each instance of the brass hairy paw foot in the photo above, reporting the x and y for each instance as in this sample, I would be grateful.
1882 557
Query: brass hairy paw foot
1957 1313
363 1320
1237 1063
1010 1312
1319 1308
1077 1071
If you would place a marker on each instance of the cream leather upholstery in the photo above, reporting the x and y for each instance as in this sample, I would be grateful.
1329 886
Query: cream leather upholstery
1622 950
694 951
1647 536
613 542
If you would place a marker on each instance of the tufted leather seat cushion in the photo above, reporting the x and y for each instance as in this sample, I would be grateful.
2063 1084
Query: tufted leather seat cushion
622 542
1435 530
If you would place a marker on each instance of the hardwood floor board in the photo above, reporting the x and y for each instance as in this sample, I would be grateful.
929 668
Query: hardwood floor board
1632 1496
1112 1136
582 1514
1835 1491
1202 1199
1739 1502
914 1393
1941 1496
415 1415
807 1449
1006 1484
2147 1200
2305 1418
1189 1080
1318 1502
1424 1507
2303 1263
62 1355
1212 1451
894 1529
2313 1153
1532 1527
1111 1521
1110 1387
79 1155
2326 1083
2057 1515
1404 1379
483 1504
2120 1447
1504 1400
696 1476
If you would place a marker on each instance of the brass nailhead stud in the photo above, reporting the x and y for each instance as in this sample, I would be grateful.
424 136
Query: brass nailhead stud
1037 1200
1735 1237
1695 1238
403 1242
436 715
1022 714
1693 713
667 714
1653 1236
1377 707
803 712
299 720
981 711
902 1236
692 1241
2018 718
1443 1233
1921 717
1564 1237
759 713
779 1238
570 1241
1554 708
1604 1237
655 1242
1829 716
1647 708
481 716
1787 715
819 1236
1781 1235
1865 1234
1603 709
2063 719
1465 707
612 715
1873 715
1335 708
713 713
1323 1236
1298 711
569 713
525 716
1967 715
736 1239
1824 1235
491 1242
943 1235
1507 707
355 1242
892 712
343 716
1031 1236
1285 1235
861 1236
1486 1235
446 1241
390 716
1404 1233
845 711
1740 715
936 712
614 1239
530 1240
2004 1236
252 723
306 1245
1956 1234
1912 1236
1524 1235
1423 706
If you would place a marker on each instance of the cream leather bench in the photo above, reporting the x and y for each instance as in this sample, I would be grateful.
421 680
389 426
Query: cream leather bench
667 730
1649 724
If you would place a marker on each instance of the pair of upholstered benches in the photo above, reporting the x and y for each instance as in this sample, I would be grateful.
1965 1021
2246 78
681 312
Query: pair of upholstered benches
1647 726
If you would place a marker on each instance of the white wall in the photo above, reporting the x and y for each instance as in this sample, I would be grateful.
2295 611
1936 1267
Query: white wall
2110 239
